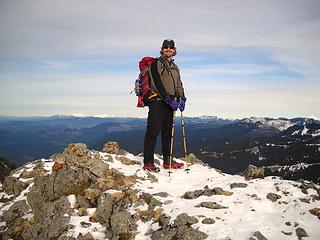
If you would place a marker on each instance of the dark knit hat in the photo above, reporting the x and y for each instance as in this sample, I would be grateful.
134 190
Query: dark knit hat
168 42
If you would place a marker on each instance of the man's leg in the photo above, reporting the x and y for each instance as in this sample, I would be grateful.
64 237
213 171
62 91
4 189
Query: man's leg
166 131
154 122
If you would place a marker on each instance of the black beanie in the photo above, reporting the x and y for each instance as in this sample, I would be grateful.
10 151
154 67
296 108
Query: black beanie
168 42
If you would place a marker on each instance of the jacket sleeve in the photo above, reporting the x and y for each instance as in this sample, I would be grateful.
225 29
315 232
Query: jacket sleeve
156 80
180 88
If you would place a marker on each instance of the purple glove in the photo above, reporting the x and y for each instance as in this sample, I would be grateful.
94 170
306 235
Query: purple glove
171 102
182 103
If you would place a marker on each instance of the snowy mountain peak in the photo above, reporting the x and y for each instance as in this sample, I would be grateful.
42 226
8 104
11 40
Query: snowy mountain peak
280 123
107 195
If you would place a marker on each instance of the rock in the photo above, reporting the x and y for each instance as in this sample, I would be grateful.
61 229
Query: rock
18 226
305 200
87 236
161 194
82 212
48 188
85 224
104 208
315 211
116 180
188 233
53 222
91 194
27 174
211 205
193 194
122 224
82 202
208 221
258 236
238 185
152 177
253 172
273 197
126 161
193 159
96 166
288 233
12 185
164 221
17 210
39 169
166 234
150 200
113 148
300 232
183 219
146 215
220 191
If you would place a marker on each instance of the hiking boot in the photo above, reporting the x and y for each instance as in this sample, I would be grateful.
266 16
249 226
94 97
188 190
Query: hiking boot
174 164
151 168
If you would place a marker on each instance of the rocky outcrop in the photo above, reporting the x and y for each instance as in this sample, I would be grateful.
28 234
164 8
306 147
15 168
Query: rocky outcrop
82 194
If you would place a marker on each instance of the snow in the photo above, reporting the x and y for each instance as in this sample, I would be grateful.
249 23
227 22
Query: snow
280 124
72 200
304 131
244 215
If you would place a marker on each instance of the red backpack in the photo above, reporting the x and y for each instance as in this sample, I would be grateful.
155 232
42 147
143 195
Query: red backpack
142 83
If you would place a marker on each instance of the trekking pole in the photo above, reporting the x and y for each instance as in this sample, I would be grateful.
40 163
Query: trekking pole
171 145
184 143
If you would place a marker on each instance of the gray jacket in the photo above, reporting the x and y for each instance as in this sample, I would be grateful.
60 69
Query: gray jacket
169 74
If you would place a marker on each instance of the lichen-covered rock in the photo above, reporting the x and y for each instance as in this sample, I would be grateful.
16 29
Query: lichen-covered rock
315 211
164 221
49 188
166 234
14 186
211 205
122 224
53 222
193 194
300 232
126 161
253 172
238 185
208 221
17 210
104 208
273 197
188 233
113 148
92 195
184 219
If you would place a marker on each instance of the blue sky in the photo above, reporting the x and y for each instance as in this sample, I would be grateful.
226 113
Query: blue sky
237 58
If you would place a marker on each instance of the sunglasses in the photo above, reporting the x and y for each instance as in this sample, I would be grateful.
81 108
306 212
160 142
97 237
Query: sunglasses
166 47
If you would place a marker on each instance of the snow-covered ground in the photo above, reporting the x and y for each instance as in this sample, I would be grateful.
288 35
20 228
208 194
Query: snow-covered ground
247 209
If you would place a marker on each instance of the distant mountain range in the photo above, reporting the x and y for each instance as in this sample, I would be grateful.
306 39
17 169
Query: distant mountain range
286 147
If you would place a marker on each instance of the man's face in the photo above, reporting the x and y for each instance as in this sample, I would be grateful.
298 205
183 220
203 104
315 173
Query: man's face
168 51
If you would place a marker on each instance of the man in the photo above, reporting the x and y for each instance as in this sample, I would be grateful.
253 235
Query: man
167 96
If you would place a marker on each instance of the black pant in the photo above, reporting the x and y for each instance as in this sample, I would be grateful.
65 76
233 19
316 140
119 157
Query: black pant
160 118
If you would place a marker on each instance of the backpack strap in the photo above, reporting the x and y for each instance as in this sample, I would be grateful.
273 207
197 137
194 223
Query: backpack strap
158 85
